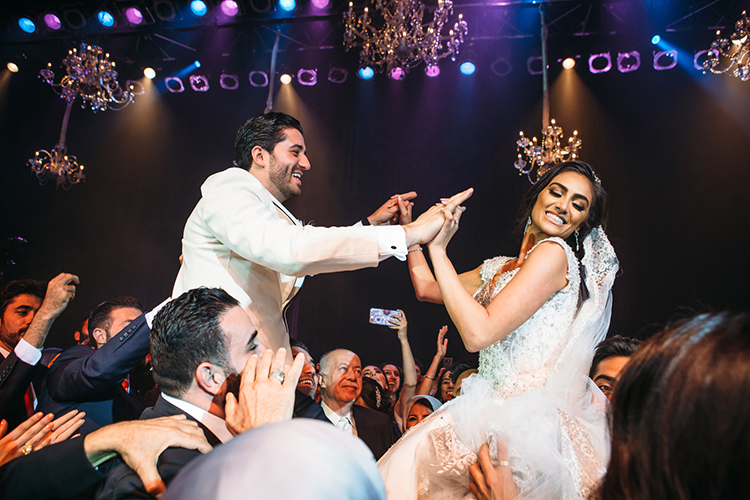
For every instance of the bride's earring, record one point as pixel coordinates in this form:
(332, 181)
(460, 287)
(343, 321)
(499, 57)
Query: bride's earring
(528, 223)
(576, 233)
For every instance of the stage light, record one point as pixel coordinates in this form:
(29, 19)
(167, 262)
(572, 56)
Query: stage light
(286, 79)
(337, 75)
(199, 83)
(606, 56)
(366, 73)
(397, 74)
(628, 61)
(308, 77)
(432, 71)
(229, 8)
(134, 15)
(52, 21)
(258, 78)
(27, 25)
(287, 5)
(320, 4)
(655, 39)
(530, 62)
(197, 63)
(669, 55)
(501, 66)
(105, 18)
(229, 82)
(12, 67)
(569, 63)
(149, 73)
(174, 85)
(467, 68)
(198, 7)
(164, 10)
(74, 18)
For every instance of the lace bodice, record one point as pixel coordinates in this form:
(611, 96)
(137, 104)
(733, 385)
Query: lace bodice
(521, 360)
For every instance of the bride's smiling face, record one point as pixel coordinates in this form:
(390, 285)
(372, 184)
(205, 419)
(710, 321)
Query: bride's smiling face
(563, 205)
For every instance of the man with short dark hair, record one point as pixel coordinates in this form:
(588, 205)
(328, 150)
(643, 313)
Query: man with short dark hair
(200, 343)
(27, 312)
(340, 386)
(90, 379)
(304, 400)
(241, 238)
(610, 357)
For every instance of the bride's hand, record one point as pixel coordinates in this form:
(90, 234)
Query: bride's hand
(450, 226)
(429, 223)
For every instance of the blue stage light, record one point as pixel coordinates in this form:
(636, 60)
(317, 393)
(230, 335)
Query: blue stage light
(105, 19)
(655, 39)
(27, 25)
(198, 7)
(197, 63)
(366, 73)
(467, 68)
(287, 5)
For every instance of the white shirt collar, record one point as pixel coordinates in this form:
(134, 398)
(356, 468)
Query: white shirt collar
(4, 351)
(214, 424)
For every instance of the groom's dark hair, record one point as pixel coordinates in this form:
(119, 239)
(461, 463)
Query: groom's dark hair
(265, 131)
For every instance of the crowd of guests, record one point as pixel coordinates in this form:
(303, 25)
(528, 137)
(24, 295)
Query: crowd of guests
(187, 386)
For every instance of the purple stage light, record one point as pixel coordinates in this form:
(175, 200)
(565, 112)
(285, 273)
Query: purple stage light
(665, 59)
(628, 61)
(604, 56)
(52, 21)
(320, 4)
(432, 71)
(134, 15)
(397, 74)
(229, 8)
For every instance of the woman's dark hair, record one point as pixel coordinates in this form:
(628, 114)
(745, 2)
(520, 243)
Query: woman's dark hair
(446, 374)
(598, 210)
(680, 419)
(375, 396)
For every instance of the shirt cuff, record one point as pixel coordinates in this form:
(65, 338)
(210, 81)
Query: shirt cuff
(391, 242)
(27, 353)
(153, 312)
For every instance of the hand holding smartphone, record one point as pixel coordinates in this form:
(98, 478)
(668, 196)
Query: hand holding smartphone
(382, 316)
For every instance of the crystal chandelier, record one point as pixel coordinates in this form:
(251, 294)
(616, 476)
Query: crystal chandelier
(91, 75)
(534, 158)
(736, 49)
(404, 40)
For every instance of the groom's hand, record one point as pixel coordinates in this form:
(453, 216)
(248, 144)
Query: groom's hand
(388, 213)
(424, 229)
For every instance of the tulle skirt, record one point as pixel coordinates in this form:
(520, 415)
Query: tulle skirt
(557, 443)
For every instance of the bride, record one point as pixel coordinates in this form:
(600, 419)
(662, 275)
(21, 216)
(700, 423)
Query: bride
(536, 319)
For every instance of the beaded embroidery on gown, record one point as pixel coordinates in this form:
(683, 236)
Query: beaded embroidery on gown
(532, 391)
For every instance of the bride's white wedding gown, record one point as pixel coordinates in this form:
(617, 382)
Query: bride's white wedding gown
(532, 392)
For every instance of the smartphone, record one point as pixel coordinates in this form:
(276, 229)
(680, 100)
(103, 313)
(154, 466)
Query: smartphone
(381, 316)
(447, 363)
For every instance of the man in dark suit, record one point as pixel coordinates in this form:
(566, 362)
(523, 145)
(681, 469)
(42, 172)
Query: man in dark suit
(200, 342)
(340, 386)
(304, 398)
(27, 312)
(90, 380)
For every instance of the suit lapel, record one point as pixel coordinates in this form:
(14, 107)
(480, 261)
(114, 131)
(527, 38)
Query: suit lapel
(164, 408)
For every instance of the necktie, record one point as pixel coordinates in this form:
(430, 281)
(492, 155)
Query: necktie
(344, 424)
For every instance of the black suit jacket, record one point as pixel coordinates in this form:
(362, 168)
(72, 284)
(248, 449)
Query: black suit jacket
(374, 428)
(306, 407)
(122, 482)
(15, 377)
(89, 380)
(57, 471)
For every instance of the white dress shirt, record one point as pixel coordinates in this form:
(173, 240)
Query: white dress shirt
(344, 422)
(215, 424)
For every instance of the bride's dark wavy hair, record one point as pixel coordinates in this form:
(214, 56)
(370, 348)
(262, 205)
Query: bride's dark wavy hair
(598, 211)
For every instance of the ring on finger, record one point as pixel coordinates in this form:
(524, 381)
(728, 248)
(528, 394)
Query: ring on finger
(503, 463)
(27, 449)
(278, 375)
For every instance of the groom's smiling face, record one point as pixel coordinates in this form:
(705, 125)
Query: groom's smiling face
(286, 165)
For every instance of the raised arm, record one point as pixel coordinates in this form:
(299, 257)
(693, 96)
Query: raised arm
(431, 376)
(543, 274)
(408, 388)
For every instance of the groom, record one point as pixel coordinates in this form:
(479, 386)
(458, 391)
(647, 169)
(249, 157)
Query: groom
(241, 238)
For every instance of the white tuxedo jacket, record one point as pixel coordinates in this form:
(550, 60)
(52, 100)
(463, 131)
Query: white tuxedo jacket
(240, 238)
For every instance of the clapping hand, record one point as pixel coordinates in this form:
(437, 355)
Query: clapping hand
(265, 396)
(37, 432)
(429, 224)
(394, 210)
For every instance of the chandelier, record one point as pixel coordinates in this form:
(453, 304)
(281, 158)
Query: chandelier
(91, 75)
(736, 49)
(405, 39)
(534, 158)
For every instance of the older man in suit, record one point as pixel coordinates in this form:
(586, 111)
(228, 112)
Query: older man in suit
(340, 386)
(200, 343)
(241, 238)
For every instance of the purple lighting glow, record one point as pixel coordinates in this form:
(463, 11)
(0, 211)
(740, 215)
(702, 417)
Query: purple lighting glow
(229, 8)
(432, 71)
(52, 21)
(397, 74)
(134, 15)
(320, 4)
